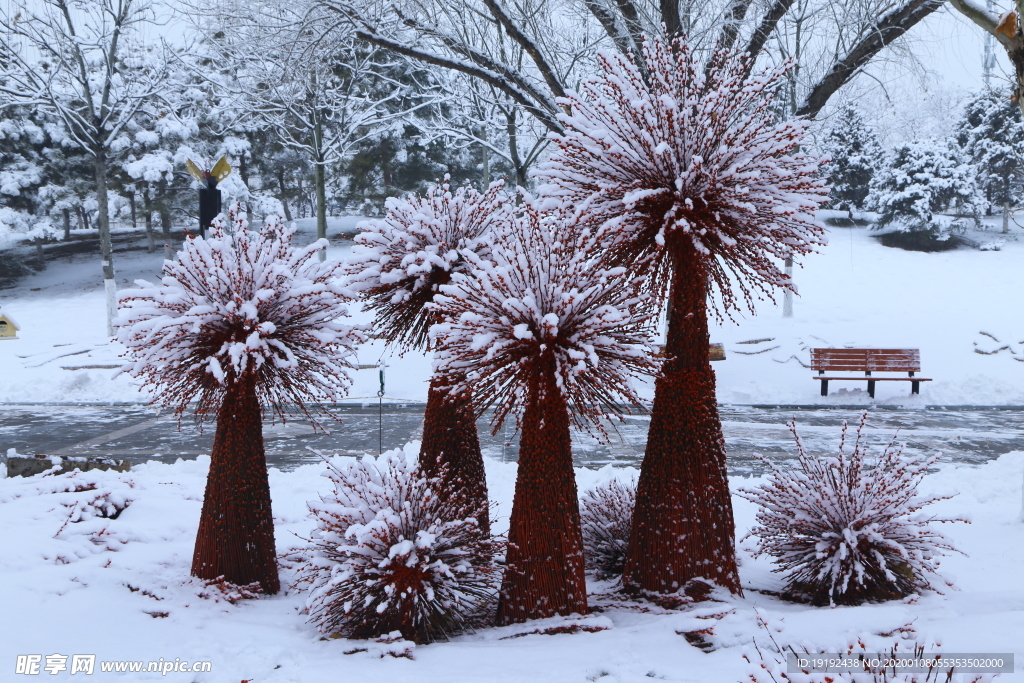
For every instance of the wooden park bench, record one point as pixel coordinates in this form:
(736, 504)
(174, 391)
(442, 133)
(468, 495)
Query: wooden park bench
(868, 361)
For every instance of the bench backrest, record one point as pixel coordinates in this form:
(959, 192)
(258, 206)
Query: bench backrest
(861, 360)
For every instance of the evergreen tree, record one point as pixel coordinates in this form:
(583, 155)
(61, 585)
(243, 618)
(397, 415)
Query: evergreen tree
(920, 179)
(856, 153)
(991, 133)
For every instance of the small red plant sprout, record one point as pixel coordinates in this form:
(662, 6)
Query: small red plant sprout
(705, 193)
(398, 263)
(391, 553)
(543, 328)
(606, 512)
(241, 322)
(846, 532)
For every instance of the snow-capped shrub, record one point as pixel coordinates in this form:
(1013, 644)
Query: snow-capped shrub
(606, 514)
(388, 555)
(241, 303)
(399, 261)
(846, 532)
(542, 298)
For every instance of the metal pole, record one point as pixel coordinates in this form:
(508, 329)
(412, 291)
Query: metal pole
(380, 414)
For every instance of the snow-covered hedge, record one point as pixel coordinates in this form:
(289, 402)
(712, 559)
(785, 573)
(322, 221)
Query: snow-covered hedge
(389, 555)
(845, 532)
(606, 514)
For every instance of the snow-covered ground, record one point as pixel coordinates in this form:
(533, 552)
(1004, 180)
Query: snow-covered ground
(119, 588)
(949, 305)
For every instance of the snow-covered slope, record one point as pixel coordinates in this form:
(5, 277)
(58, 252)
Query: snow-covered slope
(856, 292)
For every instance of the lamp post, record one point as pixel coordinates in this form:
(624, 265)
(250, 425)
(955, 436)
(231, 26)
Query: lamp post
(209, 196)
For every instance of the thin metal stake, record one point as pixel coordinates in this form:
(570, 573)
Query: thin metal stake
(380, 414)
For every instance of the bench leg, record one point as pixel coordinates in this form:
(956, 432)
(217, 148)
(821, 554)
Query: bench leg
(915, 387)
(824, 387)
(871, 388)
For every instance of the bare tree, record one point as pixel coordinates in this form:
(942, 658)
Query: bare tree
(321, 95)
(81, 61)
(1007, 31)
(534, 51)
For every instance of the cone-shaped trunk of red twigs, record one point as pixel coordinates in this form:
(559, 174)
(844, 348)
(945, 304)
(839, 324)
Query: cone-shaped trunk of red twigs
(236, 528)
(451, 450)
(683, 522)
(544, 573)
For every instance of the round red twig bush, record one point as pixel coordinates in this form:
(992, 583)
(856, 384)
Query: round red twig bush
(846, 530)
(392, 553)
(606, 512)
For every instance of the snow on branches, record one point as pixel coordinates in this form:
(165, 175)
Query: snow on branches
(606, 516)
(691, 153)
(542, 297)
(848, 533)
(240, 303)
(390, 554)
(399, 261)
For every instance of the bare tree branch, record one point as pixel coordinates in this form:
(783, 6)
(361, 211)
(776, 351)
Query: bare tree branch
(891, 27)
(529, 46)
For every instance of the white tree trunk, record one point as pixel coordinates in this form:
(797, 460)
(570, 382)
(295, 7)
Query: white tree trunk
(787, 295)
(111, 289)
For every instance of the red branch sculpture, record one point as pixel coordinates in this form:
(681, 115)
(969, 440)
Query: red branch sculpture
(706, 193)
(398, 263)
(543, 329)
(241, 320)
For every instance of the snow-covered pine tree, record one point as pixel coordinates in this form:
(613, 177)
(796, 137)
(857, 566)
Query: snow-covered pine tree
(543, 331)
(991, 133)
(398, 263)
(707, 193)
(918, 180)
(855, 155)
(242, 321)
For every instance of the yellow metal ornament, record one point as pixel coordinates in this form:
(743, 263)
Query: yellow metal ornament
(220, 170)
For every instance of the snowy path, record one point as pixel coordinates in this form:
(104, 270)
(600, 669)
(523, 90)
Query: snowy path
(138, 433)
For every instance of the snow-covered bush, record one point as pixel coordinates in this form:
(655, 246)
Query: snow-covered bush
(606, 514)
(390, 556)
(706, 192)
(543, 331)
(241, 303)
(542, 298)
(846, 532)
(920, 179)
(399, 261)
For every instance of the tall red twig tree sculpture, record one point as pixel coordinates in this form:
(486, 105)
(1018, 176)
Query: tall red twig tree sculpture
(708, 193)
(398, 264)
(241, 322)
(540, 328)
